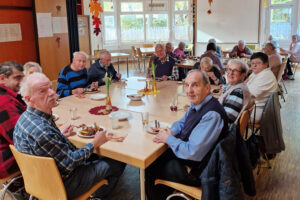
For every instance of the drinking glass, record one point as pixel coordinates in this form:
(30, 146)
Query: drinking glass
(114, 122)
(145, 118)
(73, 113)
(174, 104)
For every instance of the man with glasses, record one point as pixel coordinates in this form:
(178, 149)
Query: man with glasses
(236, 96)
(261, 82)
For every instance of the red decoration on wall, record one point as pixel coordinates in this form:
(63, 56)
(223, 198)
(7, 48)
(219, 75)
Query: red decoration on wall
(96, 9)
(209, 2)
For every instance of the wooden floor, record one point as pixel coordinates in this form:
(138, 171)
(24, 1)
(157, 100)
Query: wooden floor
(282, 182)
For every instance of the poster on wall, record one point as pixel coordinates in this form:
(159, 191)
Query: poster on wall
(44, 24)
(10, 32)
(59, 25)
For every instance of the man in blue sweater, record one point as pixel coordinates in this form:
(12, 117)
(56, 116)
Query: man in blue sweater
(100, 67)
(190, 139)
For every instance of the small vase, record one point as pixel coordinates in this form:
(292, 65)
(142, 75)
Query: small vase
(154, 85)
(108, 102)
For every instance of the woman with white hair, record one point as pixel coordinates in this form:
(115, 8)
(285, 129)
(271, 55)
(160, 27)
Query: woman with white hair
(31, 67)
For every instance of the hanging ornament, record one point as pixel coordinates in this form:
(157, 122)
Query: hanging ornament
(209, 2)
(265, 3)
(95, 10)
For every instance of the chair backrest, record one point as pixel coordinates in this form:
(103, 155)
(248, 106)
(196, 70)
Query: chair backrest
(251, 46)
(148, 45)
(133, 51)
(54, 85)
(41, 176)
(281, 70)
(139, 53)
(244, 119)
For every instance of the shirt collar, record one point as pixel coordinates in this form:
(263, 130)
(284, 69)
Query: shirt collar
(202, 103)
(38, 113)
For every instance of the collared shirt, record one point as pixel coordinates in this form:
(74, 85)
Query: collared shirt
(202, 138)
(11, 107)
(36, 134)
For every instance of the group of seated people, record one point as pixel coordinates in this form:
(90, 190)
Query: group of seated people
(31, 129)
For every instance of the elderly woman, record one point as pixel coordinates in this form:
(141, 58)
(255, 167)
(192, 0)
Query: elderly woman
(31, 67)
(218, 49)
(236, 96)
(212, 71)
(179, 52)
(241, 50)
(274, 58)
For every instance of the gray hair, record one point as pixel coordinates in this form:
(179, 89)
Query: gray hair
(31, 64)
(242, 42)
(181, 43)
(297, 36)
(103, 54)
(205, 79)
(206, 60)
(6, 68)
(271, 45)
(80, 53)
(212, 40)
(243, 66)
(26, 84)
(169, 43)
(159, 45)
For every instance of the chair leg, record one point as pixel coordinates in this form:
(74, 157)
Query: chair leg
(7, 185)
(178, 195)
(282, 81)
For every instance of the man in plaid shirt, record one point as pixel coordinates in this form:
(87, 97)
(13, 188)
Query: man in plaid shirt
(11, 107)
(36, 134)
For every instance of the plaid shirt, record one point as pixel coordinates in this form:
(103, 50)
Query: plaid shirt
(36, 134)
(175, 71)
(11, 107)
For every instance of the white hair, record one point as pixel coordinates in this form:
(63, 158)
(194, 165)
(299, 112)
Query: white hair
(243, 66)
(80, 53)
(212, 40)
(26, 84)
(103, 54)
(31, 64)
(242, 42)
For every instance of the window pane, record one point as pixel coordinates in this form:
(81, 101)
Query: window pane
(109, 29)
(132, 28)
(181, 5)
(280, 27)
(131, 7)
(181, 29)
(108, 6)
(157, 27)
(280, 1)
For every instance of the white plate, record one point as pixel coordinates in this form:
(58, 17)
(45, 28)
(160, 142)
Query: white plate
(55, 117)
(87, 136)
(135, 97)
(141, 79)
(98, 96)
(152, 124)
(121, 115)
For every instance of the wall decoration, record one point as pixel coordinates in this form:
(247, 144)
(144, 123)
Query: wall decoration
(95, 10)
(209, 2)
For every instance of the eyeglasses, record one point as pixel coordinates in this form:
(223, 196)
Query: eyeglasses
(234, 71)
(256, 63)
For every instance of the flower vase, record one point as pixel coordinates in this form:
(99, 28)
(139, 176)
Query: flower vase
(154, 85)
(108, 102)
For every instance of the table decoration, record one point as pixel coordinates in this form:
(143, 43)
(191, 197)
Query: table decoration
(147, 90)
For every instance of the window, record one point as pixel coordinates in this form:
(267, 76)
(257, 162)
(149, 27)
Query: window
(157, 27)
(181, 20)
(131, 7)
(132, 28)
(109, 23)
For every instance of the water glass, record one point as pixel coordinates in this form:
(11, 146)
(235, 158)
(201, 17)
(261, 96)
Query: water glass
(145, 118)
(114, 122)
(73, 113)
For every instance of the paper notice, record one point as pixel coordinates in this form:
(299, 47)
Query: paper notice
(59, 25)
(44, 24)
(10, 32)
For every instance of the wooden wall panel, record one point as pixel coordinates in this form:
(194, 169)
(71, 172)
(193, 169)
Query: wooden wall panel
(16, 3)
(53, 56)
(20, 51)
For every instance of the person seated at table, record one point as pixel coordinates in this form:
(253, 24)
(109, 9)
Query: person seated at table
(211, 53)
(241, 50)
(190, 139)
(218, 49)
(169, 50)
(212, 71)
(165, 65)
(274, 58)
(36, 134)
(179, 51)
(100, 67)
(274, 42)
(72, 79)
(236, 96)
(295, 55)
(261, 83)
(31, 67)
(11, 107)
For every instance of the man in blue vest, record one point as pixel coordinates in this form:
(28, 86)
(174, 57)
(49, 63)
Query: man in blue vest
(190, 139)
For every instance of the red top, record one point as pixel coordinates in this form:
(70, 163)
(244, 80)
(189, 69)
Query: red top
(11, 107)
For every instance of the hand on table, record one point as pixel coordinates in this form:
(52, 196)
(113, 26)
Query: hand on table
(164, 78)
(78, 91)
(99, 139)
(68, 131)
(94, 85)
(162, 136)
(118, 75)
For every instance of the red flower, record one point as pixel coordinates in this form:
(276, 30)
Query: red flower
(96, 22)
(97, 31)
(209, 12)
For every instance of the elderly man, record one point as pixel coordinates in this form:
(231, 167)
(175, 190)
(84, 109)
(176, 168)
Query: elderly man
(36, 134)
(165, 65)
(72, 79)
(218, 49)
(100, 67)
(211, 53)
(169, 50)
(241, 50)
(236, 96)
(11, 107)
(261, 83)
(190, 139)
(31, 67)
(274, 58)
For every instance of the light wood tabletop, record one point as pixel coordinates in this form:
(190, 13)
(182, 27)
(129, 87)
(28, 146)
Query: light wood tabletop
(187, 64)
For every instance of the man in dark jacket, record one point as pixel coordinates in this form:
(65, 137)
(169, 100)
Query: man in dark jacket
(189, 139)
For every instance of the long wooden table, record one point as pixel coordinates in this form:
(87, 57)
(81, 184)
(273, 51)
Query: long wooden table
(137, 149)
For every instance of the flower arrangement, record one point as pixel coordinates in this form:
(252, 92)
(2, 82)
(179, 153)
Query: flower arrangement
(108, 81)
(153, 74)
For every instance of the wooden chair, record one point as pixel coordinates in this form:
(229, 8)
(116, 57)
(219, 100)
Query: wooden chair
(6, 182)
(142, 57)
(135, 56)
(148, 45)
(244, 120)
(97, 52)
(280, 80)
(42, 178)
(54, 85)
(295, 65)
(186, 190)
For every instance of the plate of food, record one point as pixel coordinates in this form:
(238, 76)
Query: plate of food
(89, 131)
(154, 128)
(116, 137)
(91, 90)
(135, 97)
(55, 117)
(97, 97)
(121, 115)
